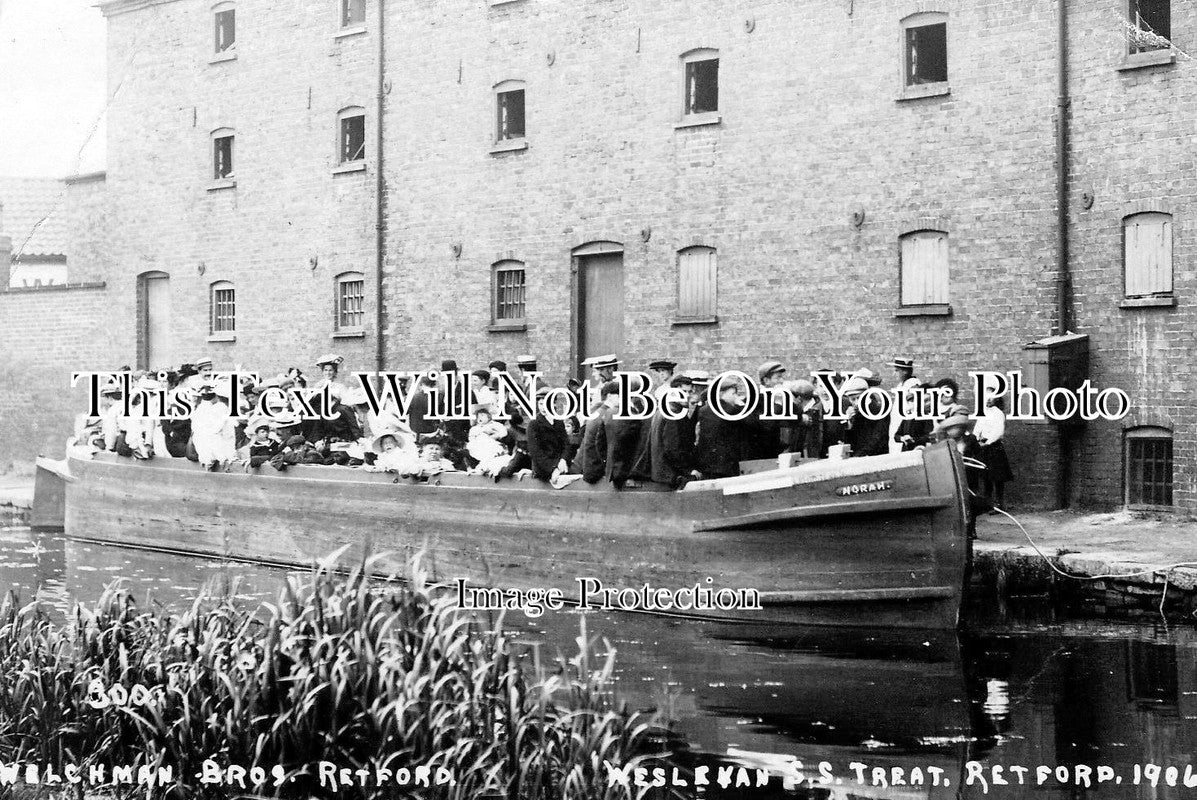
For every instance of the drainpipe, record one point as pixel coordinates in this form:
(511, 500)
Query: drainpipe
(379, 196)
(1063, 271)
(1063, 274)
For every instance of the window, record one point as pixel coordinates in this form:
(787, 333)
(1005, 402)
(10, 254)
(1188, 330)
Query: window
(350, 301)
(222, 155)
(509, 105)
(1151, 25)
(1149, 467)
(696, 284)
(1147, 254)
(351, 127)
(924, 274)
(925, 48)
(222, 303)
(701, 82)
(226, 29)
(508, 287)
(353, 13)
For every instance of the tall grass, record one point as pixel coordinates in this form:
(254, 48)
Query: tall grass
(340, 669)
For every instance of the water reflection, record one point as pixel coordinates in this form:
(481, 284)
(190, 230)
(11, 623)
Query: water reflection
(1006, 695)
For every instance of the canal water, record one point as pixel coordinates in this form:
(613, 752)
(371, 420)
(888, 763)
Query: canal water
(865, 707)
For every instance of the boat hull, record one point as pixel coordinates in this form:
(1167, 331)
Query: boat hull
(878, 541)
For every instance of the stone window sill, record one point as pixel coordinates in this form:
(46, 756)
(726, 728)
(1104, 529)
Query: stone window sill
(350, 334)
(1151, 58)
(222, 337)
(227, 55)
(353, 166)
(1149, 302)
(711, 320)
(345, 33)
(507, 327)
(494, 3)
(225, 183)
(509, 146)
(698, 120)
(929, 310)
(924, 90)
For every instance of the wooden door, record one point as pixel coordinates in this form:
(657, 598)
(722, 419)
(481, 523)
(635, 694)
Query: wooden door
(156, 349)
(602, 299)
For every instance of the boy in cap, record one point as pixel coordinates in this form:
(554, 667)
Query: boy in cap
(662, 373)
(547, 441)
(263, 445)
(762, 437)
(671, 448)
(717, 451)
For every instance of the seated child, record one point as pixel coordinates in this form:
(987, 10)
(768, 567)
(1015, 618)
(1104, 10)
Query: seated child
(396, 452)
(486, 444)
(264, 445)
(433, 461)
(213, 430)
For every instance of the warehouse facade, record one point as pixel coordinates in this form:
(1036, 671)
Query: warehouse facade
(831, 185)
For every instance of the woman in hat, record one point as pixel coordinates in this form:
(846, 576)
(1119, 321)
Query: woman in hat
(395, 451)
(213, 429)
(990, 431)
(957, 429)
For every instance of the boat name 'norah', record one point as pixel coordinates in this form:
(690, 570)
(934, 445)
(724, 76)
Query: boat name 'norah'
(593, 595)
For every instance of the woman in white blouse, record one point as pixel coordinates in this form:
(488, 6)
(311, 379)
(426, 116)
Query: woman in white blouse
(990, 430)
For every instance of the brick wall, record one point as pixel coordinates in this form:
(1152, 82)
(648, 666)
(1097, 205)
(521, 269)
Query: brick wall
(290, 225)
(812, 131)
(48, 334)
(1132, 149)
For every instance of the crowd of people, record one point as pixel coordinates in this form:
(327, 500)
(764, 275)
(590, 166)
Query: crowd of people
(685, 440)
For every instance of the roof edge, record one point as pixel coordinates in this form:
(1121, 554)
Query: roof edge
(86, 177)
(111, 8)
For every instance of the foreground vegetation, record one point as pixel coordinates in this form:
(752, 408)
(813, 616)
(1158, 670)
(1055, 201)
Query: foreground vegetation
(341, 670)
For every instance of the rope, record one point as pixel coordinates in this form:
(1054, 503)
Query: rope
(1166, 569)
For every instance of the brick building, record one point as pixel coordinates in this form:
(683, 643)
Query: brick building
(830, 184)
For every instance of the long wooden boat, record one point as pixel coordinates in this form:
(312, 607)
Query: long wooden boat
(875, 541)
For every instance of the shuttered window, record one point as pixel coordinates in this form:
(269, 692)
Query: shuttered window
(1147, 254)
(351, 297)
(924, 268)
(223, 308)
(508, 290)
(696, 284)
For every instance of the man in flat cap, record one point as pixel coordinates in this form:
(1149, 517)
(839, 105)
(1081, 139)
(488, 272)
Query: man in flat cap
(762, 437)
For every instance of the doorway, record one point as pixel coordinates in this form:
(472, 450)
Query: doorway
(154, 337)
(600, 300)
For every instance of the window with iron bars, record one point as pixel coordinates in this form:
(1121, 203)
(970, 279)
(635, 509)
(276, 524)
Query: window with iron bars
(222, 158)
(223, 303)
(1149, 467)
(351, 296)
(353, 137)
(509, 289)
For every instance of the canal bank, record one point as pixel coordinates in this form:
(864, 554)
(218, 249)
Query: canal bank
(1121, 565)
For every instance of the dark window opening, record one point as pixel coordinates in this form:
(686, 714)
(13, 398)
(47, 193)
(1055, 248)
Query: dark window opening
(509, 294)
(927, 54)
(1152, 22)
(511, 115)
(222, 155)
(224, 310)
(1149, 470)
(351, 296)
(226, 30)
(353, 138)
(1152, 677)
(702, 86)
(353, 12)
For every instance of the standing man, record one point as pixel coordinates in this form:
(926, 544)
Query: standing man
(762, 437)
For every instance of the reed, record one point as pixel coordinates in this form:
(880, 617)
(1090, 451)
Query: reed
(342, 668)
